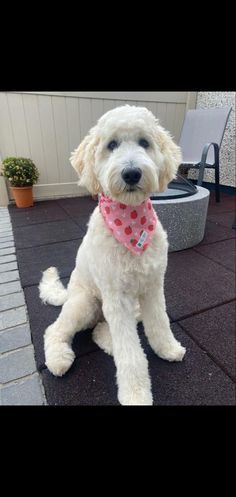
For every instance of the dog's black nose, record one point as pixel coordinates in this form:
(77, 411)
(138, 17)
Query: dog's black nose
(131, 175)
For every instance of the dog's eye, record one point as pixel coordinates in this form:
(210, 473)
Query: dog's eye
(113, 144)
(143, 143)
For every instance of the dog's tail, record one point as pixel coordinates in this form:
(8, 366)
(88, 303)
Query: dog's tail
(51, 290)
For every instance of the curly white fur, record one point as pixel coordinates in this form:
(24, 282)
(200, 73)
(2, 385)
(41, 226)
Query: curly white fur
(109, 281)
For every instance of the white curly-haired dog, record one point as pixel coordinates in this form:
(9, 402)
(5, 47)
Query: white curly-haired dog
(125, 157)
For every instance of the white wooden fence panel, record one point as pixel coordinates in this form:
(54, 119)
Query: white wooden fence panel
(6, 132)
(35, 134)
(48, 126)
(161, 113)
(85, 115)
(178, 120)
(62, 139)
(49, 138)
(17, 114)
(109, 104)
(120, 102)
(169, 118)
(97, 109)
(151, 106)
(74, 131)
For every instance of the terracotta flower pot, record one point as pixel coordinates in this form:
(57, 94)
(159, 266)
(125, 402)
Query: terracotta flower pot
(23, 196)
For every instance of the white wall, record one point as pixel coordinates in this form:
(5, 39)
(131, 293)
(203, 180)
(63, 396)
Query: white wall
(47, 126)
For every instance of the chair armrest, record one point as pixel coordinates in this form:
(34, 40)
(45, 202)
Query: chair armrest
(205, 152)
(204, 156)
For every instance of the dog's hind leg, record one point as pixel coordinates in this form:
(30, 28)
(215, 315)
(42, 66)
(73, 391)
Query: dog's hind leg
(79, 312)
(102, 337)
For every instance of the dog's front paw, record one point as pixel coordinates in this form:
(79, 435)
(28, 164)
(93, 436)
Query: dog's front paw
(136, 397)
(59, 358)
(172, 352)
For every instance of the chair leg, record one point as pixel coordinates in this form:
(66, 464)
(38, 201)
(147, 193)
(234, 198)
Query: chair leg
(217, 181)
(201, 174)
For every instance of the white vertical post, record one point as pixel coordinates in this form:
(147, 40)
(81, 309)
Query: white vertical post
(4, 200)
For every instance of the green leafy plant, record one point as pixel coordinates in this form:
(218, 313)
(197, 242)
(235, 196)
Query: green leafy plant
(20, 171)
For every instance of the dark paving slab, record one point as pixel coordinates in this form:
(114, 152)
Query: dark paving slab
(42, 234)
(224, 218)
(222, 195)
(214, 330)
(77, 206)
(221, 252)
(195, 381)
(82, 221)
(79, 209)
(32, 261)
(41, 212)
(41, 316)
(90, 381)
(194, 283)
(227, 203)
(215, 232)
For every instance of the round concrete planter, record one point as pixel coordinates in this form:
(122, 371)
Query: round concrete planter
(184, 219)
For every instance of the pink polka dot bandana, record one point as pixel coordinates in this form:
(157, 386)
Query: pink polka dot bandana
(133, 226)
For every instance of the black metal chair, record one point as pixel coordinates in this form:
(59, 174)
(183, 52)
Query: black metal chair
(201, 139)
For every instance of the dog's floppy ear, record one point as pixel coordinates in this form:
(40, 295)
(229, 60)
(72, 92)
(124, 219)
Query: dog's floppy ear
(171, 154)
(83, 161)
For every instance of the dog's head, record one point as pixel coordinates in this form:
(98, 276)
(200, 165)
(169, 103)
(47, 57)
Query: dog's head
(127, 155)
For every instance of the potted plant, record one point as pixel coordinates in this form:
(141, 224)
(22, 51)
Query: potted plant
(22, 174)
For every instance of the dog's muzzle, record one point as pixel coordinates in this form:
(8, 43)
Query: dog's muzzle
(131, 175)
